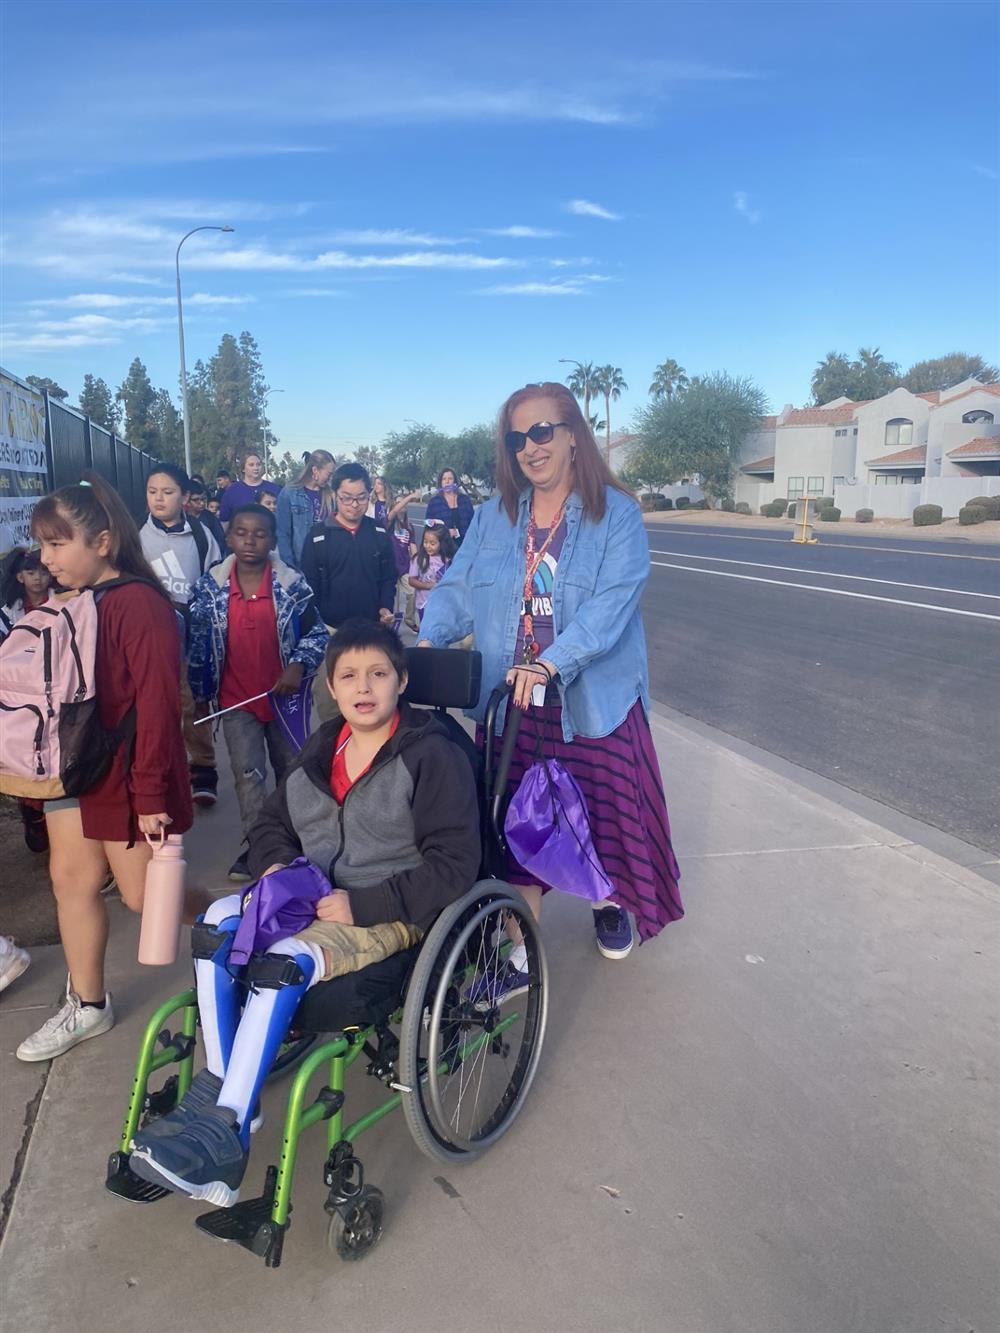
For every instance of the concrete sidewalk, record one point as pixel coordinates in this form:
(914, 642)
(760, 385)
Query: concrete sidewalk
(778, 1117)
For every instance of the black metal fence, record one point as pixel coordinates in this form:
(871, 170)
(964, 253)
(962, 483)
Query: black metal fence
(75, 444)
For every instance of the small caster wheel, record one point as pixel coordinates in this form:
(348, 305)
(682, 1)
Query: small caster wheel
(355, 1227)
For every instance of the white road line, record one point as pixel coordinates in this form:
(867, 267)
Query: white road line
(846, 546)
(827, 574)
(833, 592)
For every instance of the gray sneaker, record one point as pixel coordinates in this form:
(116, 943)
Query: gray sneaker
(13, 961)
(74, 1022)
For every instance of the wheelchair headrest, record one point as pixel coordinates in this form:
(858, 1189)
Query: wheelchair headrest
(443, 677)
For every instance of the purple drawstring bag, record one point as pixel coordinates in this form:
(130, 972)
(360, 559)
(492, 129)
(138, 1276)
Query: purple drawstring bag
(548, 832)
(278, 906)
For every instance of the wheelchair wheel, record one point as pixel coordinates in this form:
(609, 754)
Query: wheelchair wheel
(355, 1228)
(468, 1055)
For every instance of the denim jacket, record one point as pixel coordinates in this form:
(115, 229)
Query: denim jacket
(295, 520)
(599, 647)
(302, 635)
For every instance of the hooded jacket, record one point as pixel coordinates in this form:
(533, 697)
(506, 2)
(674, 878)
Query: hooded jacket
(302, 635)
(405, 842)
(180, 555)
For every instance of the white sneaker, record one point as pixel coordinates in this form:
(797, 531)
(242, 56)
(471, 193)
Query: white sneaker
(13, 961)
(74, 1022)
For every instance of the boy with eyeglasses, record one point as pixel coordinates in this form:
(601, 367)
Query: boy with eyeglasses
(348, 561)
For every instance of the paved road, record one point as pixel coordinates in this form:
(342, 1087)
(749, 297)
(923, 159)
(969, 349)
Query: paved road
(871, 661)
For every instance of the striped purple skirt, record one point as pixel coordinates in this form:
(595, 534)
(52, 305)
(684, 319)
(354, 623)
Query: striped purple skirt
(620, 779)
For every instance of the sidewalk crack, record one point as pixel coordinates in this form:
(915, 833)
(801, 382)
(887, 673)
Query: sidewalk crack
(30, 1116)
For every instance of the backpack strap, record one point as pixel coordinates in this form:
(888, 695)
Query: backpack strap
(200, 541)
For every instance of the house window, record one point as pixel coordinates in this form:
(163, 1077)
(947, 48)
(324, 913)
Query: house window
(839, 481)
(855, 430)
(973, 418)
(899, 432)
(796, 488)
(886, 479)
(815, 486)
(840, 433)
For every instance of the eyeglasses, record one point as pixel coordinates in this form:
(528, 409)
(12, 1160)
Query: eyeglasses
(345, 499)
(540, 433)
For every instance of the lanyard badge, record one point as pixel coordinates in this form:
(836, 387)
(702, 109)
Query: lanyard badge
(531, 563)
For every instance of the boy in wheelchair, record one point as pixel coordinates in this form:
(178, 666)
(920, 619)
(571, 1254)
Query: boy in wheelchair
(381, 800)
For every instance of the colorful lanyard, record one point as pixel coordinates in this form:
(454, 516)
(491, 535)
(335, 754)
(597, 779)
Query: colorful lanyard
(531, 563)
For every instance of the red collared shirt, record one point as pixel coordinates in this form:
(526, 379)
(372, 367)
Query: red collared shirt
(340, 780)
(253, 659)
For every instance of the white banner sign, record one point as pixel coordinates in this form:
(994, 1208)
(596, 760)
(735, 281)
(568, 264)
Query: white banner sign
(23, 462)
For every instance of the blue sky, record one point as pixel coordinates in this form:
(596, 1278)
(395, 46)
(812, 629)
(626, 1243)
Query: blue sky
(434, 203)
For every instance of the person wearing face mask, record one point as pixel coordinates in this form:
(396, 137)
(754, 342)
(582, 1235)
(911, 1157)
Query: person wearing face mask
(450, 506)
(244, 492)
(549, 580)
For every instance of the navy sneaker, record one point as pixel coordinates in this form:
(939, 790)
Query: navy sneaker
(614, 931)
(202, 1094)
(205, 1159)
(204, 785)
(496, 985)
(239, 871)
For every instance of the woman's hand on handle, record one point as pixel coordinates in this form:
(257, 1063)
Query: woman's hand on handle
(523, 680)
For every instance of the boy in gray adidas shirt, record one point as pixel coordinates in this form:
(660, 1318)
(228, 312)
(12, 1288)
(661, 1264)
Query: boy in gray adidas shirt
(180, 550)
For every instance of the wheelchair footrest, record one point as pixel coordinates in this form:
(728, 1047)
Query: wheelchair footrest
(123, 1181)
(248, 1224)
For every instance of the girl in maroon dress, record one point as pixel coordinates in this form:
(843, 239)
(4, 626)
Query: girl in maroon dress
(88, 540)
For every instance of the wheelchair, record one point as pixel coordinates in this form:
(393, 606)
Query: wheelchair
(460, 1071)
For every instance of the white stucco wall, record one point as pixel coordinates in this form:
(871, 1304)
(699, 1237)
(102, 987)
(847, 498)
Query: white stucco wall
(872, 420)
(951, 493)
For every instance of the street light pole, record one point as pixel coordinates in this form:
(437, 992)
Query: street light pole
(180, 333)
(263, 423)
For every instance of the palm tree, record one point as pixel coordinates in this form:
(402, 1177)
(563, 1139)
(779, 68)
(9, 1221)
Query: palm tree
(610, 381)
(668, 377)
(581, 384)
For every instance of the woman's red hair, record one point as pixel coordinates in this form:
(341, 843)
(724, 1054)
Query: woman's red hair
(592, 476)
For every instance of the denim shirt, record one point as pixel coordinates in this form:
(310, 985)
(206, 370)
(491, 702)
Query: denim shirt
(295, 520)
(599, 647)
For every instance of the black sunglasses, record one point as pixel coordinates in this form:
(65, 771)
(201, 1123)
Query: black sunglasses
(540, 433)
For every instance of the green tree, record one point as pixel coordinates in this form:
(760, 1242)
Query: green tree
(138, 397)
(403, 454)
(582, 384)
(943, 371)
(370, 458)
(701, 431)
(611, 383)
(235, 397)
(648, 467)
(170, 426)
(42, 383)
(668, 379)
(98, 402)
(868, 376)
(475, 456)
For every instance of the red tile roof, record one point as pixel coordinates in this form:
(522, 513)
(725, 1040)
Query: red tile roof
(761, 465)
(986, 446)
(934, 396)
(901, 457)
(821, 416)
(993, 388)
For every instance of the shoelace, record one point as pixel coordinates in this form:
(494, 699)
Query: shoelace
(61, 1019)
(610, 918)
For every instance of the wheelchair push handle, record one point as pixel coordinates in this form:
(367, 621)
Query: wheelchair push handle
(495, 783)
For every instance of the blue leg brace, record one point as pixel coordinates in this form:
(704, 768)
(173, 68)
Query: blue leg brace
(219, 993)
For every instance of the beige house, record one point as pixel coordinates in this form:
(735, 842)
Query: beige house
(899, 439)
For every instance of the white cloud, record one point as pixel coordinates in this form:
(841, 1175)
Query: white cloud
(312, 291)
(78, 331)
(522, 233)
(110, 301)
(990, 173)
(258, 258)
(392, 236)
(741, 202)
(585, 209)
(575, 286)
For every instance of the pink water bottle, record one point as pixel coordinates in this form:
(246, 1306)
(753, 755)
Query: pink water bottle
(159, 938)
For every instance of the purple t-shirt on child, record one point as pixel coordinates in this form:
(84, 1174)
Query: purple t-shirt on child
(542, 588)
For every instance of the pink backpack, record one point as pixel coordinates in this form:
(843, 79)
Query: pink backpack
(52, 743)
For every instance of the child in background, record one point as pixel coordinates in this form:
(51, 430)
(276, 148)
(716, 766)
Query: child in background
(89, 540)
(214, 504)
(197, 506)
(404, 548)
(254, 630)
(268, 499)
(26, 585)
(437, 550)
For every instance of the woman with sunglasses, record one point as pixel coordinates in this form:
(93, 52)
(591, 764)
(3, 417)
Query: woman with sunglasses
(449, 506)
(549, 580)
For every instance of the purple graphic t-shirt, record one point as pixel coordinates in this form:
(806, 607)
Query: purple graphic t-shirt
(541, 593)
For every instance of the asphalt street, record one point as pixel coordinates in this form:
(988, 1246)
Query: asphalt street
(873, 662)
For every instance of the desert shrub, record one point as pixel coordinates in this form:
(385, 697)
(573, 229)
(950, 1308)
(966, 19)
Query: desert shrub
(864, 515)
(742, 507)
(829, 514)
(667, 502)
(970, 514)
(991, 503)
(780, 505)
(728, 506)
(822, 502)
(683, 502)
(925, 516)
(790, 511)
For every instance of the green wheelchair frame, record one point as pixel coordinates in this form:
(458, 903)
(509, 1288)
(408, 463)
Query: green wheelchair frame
(440, 1033)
